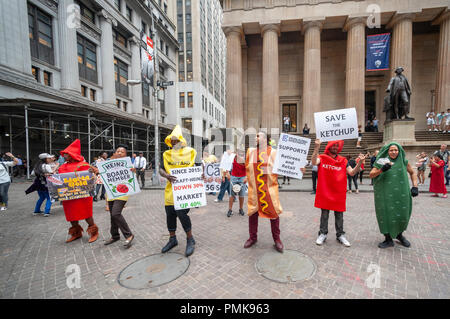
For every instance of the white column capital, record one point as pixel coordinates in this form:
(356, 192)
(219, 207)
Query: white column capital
(237, 31)
(398, 17)
(353, 21)
(108, 17)
(444, 16)
(271, 27)
(312, 23)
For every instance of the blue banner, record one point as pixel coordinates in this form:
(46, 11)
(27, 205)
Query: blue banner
(378, 52)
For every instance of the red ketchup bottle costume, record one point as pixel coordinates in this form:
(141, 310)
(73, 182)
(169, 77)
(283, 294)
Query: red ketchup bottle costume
(78, 209)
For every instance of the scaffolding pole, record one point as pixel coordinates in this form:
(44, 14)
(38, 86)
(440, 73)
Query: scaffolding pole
(50, 134)
(10, 136)
(132, 138)
(27, 141)
(113, 135)
(89, 138)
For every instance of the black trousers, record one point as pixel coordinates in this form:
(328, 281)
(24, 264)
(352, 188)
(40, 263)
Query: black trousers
(354, 179)
(361, 176)
(117, 219)
(314, 180)
(97, 190)
(338, 222)
(141, 174)
(182, 215)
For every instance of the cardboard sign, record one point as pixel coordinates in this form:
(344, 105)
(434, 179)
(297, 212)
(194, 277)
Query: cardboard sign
(227, 161)
(292, 152)
(213, 178)
(118, 178)
(336, 125)
(69, 186)
(188, 189)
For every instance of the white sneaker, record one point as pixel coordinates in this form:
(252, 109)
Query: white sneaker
(3, 208)
(435, 129)
(321, 239)
(344, 241)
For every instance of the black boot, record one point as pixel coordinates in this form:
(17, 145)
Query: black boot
(241, 212)
(190, 246)
(170, 244)
(230, 212)
(403, 240)
(388, 242)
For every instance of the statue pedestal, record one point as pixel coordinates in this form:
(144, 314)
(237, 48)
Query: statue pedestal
(399, 131)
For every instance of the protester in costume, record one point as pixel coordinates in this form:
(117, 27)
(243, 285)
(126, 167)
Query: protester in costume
(437, 184)
(116, 206)
(178, 156)
(393, 202)
(263, 200)
(77, 209)
(332, 187)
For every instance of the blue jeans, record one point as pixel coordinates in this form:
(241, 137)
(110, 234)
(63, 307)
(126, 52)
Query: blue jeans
(224, 186)
(43, 195)
(4, 187)
(446, 174)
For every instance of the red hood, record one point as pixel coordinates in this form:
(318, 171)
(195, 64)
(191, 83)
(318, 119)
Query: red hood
(74, 150)
(331, 143)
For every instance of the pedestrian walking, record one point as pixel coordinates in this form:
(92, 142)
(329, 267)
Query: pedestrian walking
(393, 198)
(437, 185)
(238, 180)
(140, 163)
(42, 170)
(5, 179)
(352, 164)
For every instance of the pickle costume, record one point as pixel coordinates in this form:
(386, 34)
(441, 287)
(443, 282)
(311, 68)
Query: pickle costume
(393, 200)
(177, 157)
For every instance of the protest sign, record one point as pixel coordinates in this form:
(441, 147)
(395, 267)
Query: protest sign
(213, 178)
(227, 161)
(336, 125)
(188, 189)
(69, 186)
(118, 178)
(292, 152)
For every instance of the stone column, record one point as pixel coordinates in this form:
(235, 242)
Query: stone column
(107, 52)
(235, 114)
(68, 48)
(355, 67)
(136, 90)
(443, 67)
(311, 73)
(401, 44)
(270, 112)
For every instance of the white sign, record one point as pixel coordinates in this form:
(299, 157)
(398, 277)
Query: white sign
(118, 178)
(213, 178)
(227, 161)
(188, 189)
(336, 125)
(292, 152)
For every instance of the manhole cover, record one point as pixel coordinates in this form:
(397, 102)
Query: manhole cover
(290, 266)
(153, 271)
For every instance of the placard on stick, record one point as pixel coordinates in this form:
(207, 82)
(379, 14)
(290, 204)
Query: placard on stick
(292, 153)
(336, 125)
(188, 189)
(118, 178)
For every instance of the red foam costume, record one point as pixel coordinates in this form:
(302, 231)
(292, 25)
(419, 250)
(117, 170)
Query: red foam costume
(437, 182)
(331, 191)
(76, 209)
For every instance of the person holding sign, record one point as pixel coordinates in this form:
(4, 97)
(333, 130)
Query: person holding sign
(178, 156)
(393, 198)
(77, 209)
(263, 200)
(332, 187)
(238, 181)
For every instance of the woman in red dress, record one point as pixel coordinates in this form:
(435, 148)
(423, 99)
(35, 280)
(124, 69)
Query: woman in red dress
(437, 184)
(77, 209)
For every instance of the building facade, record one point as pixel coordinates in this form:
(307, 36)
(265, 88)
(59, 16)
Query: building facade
(201, 66)
(297, 57)
(65, 67)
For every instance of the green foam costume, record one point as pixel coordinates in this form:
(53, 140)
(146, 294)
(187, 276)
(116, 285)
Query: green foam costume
(393, 201)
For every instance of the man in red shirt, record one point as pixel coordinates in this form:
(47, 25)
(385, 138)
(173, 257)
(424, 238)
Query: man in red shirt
(332, 187)
(238, 177)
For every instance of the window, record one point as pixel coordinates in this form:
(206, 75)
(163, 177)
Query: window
(182, 101)
(86, 12)
(187, 124)
(167, 50)
(161, 44)
(165, 8)
(144, 27)
(189, 76)
(203, 103)
(93, 95)
(41, 34)
(87, 59)
(117, 4)
(129, 14)
(162, 71)
(181, 76)
(35, 72)
(145, 93)
(118, 103)
(121, 77)
(190, 99)
(119, 37)
(47, 78)
(125, 106)
(83, 91)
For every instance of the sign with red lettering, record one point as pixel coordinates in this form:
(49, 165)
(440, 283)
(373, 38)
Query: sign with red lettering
(189, 188)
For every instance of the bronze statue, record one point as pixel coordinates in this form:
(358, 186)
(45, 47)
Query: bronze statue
(399, 97)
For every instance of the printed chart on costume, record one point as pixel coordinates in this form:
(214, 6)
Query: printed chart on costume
(118, 178)
(189, 188)
(292, 155)
(336, 125)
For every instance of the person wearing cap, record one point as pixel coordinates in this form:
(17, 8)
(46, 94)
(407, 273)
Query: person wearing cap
(178, 156)
(78, 209)
(5, 179)
(331, 191)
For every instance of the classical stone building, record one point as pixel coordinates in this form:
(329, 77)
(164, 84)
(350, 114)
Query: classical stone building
(298, 57)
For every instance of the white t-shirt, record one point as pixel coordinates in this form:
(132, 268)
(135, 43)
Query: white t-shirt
(47, 168)
(140, 162)
(4, 174)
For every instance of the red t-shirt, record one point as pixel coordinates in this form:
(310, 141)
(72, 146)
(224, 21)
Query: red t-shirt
(362, 164)
(238, 170)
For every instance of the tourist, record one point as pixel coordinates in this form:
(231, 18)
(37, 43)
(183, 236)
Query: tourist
(393, 198)
(440, 120)
(263, 200)
(5, 179)
(42, 170)
(447, 122)
(306, 129)
(430, 121)
(421, 164)
(437, 185)
(140, 163)
(361, 171)
(116, 206)
(179, 155)
(445, 154)
(238, 180)
(375, 124)
(77, 209)
(287, 123)
(352, 164)
(133, 158)
(288, 179)
(331, 187)
(358, 143)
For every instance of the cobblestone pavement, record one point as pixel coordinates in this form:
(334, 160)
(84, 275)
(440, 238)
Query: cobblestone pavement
(34, 255)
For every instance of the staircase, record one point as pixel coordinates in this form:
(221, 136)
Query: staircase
(425, 136)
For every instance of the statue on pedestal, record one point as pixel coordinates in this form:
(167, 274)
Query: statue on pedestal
(396, 103)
